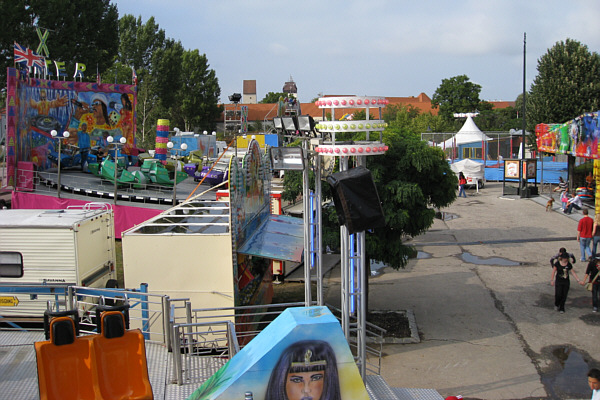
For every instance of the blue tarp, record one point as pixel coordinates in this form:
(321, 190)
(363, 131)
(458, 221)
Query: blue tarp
(552, 171)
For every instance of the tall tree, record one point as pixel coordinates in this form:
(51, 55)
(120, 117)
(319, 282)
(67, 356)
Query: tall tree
(138, 42)
(456, 95)
(84, 31)
(566, 86)
(412, 180)
(199, 93)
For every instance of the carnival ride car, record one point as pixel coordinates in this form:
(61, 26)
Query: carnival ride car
(585, 193)
(70, 156)
(218, 174)
(168, 174)
(152, 171)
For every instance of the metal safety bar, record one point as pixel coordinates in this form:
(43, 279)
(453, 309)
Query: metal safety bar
(374, 339)
(200, 349)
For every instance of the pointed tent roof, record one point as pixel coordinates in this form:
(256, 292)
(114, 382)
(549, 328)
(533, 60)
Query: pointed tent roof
(469, 133)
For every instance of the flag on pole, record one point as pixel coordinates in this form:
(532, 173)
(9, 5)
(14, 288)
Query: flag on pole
(98, 80)
(26, 56)
(133, 76)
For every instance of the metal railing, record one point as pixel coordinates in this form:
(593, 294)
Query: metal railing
(201, 349)
(151, 313)
(200, 340)
(73, 182)
(374, 342)
(213, 335)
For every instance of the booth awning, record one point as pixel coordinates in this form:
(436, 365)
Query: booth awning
(279, 237)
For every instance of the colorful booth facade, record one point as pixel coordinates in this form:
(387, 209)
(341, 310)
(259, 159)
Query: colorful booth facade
(90, 112)
(578, 137)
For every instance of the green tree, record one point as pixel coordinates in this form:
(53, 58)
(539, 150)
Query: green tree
(412, 180)
(503, 119)
(199, 92)
(84, 31)
(138, 42)
(456, 95)
(272, 97)
(173, 82)
(566, 85)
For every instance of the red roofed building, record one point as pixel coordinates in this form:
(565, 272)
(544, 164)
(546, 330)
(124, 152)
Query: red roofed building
(265, 113)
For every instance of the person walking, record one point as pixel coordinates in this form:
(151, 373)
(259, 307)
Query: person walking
(584, 235)
(595, 234)
(560, 281)
(462, 181)
(591, 276)
(560, 251)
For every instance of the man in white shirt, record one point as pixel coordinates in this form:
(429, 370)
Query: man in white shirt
(574, 202)
(594, 382)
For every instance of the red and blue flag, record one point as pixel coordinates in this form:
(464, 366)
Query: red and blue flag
(24, 55)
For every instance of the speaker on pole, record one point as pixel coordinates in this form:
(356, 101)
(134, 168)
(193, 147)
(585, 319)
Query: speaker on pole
(356, 199)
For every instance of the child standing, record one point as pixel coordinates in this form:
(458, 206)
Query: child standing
(564, 198)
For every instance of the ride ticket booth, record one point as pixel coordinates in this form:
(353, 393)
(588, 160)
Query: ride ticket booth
(510, 183)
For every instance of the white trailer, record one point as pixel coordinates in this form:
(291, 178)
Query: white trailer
(68, 247)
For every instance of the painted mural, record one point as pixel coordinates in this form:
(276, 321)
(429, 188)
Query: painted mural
(302, 354)
(578, 137)
(90, 112)
(249, 199)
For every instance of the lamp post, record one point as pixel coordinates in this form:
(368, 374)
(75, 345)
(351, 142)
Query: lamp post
(55, 136)
(177, 151)
(121, 142)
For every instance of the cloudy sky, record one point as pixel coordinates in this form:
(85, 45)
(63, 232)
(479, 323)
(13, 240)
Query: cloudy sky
(372, 47)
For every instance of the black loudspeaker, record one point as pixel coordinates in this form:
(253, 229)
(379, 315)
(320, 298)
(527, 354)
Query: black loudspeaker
(356, 200)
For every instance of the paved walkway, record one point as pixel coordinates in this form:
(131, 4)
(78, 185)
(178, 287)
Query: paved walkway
(481, 295)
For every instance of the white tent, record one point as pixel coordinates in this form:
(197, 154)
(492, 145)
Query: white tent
(469, 133)
(473, 171)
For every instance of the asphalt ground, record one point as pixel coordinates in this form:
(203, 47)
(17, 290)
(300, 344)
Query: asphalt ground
(484, 307)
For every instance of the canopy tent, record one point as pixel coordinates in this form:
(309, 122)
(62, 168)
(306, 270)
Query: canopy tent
(469, 168)
(469, 133)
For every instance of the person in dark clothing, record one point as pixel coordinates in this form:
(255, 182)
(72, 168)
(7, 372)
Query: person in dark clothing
(562, 250)
(462, 181)
(593, 269)
(560, 280)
